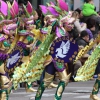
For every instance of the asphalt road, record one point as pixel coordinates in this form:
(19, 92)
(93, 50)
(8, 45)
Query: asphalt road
(74, 91)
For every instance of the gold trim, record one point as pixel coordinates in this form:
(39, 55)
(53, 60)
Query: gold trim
(48, 78)
(12, 69)
(3, 96)
(47, 61)
(94, 97)
(63, 76)
(25, 59)
(2, 69)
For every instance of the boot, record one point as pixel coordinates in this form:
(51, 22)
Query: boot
(95, 90)
(4, 95)
(94, 97)
(52, 85)
(29, 88)
(60, 90)
(62, 84)
(45, 83)
(5, 85)
(9, 89)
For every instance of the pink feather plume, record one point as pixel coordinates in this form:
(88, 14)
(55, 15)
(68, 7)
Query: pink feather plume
(63, 5)
(29, 8)
(14, 9)
(4, 8)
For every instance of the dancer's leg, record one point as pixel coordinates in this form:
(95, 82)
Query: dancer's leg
(29, 88)
(49, 76)
(5, 85)
(52, 85)
(95, 90)
(64, 79)
(4, 95)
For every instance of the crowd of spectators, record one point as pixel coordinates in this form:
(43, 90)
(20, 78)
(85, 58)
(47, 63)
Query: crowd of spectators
(86, 27)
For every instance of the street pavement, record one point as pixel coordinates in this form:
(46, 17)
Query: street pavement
(74, 91)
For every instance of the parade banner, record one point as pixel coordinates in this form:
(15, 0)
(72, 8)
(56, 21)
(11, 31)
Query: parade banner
(63, 49)
(13, 60)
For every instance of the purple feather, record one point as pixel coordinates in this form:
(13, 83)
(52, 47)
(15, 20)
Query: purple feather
(43, 9)
(3, 56)
(4, 8)
(63, 5)
(57, 32)
(21, 44)
(2, 38)
(53, 11)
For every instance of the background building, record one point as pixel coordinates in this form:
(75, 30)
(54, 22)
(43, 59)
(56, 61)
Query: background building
(73, 4)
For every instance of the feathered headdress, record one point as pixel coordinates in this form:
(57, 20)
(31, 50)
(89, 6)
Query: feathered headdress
(28, 9)
(8, 15)
(54, 9)
(14, 9)
(59, 11)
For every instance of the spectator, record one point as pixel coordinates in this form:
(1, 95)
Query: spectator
(80, 14)
(88, 10)
(83, 40)
(91, 25)
(79, 26)
(90, 34)
(73, 34)
(98, 13)
(80, 63)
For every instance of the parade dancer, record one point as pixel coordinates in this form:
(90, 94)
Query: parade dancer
(26, 38)
(7, 29)
(54, 66)
(5, 82)
(53, 28)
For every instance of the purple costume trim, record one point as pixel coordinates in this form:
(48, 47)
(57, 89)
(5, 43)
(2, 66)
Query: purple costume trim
(21, 44)
(52, 68)
(57, 68)
(6, 74)
(3, 56)
(43, 31)
(2, 38)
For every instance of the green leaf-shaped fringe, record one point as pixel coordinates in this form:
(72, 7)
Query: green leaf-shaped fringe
(40, 53)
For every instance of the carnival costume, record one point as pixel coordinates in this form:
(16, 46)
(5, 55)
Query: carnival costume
(55, 65)
(8, 30)
(30, 40)
(12, 47)
(52, 66)
(28, 24)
